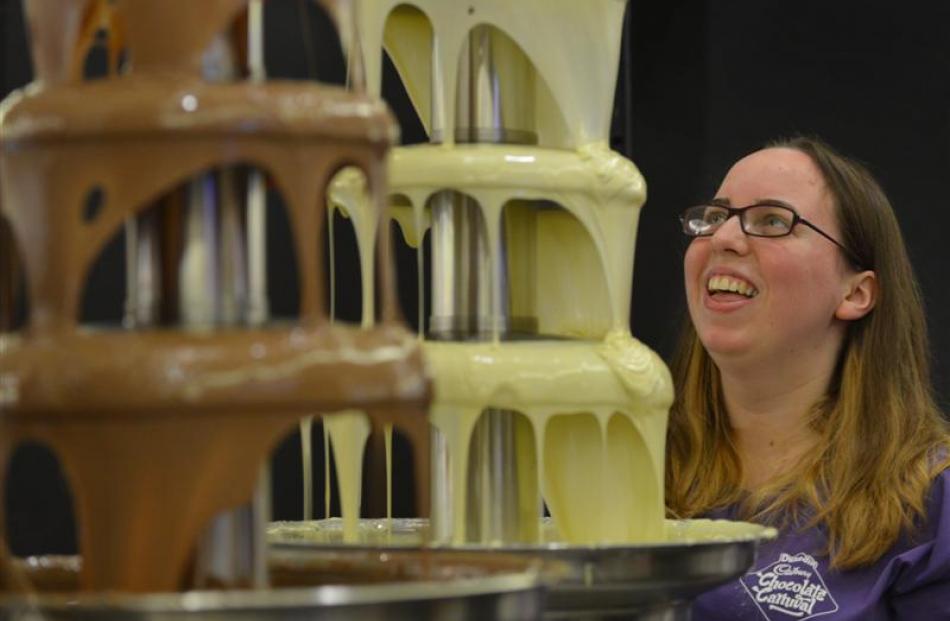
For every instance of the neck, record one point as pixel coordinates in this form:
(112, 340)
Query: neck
(769, 406)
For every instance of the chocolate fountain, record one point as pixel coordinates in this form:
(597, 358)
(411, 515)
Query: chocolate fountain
(163, 426)
(540, 391)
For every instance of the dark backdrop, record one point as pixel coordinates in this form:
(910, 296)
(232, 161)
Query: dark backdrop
(701, 84)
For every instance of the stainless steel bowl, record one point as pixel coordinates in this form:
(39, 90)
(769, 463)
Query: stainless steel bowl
(652, 581)
(356, 585)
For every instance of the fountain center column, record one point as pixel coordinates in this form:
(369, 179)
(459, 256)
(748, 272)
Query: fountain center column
(492, 106)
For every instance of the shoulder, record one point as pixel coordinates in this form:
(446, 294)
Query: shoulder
(935, 529)
(921, 564)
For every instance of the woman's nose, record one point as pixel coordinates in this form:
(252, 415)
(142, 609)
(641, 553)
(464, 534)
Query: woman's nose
(730, 237)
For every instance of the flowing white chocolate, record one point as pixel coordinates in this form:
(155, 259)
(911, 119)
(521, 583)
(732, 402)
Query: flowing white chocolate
(596, 407)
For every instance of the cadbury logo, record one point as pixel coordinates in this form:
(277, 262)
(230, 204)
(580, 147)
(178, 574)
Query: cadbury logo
(790, 588)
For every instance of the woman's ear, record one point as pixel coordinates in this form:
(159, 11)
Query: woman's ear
(860, 297)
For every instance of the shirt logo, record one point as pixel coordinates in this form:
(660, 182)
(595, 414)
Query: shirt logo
(790, 588)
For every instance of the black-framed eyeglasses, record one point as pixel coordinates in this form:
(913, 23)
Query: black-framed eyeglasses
(765, 219)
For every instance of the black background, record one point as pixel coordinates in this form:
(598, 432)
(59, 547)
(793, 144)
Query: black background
(701, 84)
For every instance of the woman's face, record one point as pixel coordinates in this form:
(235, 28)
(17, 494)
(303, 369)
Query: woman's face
(793, 285)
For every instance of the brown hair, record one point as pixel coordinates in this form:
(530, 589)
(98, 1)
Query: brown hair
(881, 437)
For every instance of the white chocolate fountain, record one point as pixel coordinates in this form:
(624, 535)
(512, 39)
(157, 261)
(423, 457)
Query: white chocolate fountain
(564, 214)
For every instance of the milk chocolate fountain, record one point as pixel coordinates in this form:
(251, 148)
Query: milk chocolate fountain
(162, 428)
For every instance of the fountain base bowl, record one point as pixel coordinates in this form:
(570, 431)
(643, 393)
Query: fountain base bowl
(319, 585)
(655, 580)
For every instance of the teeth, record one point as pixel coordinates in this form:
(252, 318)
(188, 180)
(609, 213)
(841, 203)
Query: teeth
(732, 285)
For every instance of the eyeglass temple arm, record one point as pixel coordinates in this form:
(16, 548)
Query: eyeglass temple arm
(847, 251)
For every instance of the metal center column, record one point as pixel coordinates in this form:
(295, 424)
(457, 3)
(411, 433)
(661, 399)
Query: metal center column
(494, 105)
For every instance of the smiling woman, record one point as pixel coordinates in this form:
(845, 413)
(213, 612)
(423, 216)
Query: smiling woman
(804, 397)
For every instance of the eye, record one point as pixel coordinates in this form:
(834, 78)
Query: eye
(715, 215)
(770, 220)
(703, 219)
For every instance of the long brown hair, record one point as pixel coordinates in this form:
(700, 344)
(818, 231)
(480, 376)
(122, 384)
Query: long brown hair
(881, 436)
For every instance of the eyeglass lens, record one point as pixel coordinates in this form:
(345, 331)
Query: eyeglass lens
(762, 220)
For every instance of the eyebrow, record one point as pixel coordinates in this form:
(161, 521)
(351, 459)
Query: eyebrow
(725, 202)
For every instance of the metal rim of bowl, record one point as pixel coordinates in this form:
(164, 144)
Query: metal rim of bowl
(757, 534)
(295, 597)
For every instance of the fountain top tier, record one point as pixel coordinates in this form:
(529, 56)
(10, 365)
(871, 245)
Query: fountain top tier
(574, 95)
(169, 36)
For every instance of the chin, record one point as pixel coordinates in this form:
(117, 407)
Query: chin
(726, 344)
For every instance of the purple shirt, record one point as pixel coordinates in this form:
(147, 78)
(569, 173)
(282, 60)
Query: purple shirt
(791, 578)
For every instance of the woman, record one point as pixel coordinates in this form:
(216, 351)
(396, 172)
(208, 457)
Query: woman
(803, 395)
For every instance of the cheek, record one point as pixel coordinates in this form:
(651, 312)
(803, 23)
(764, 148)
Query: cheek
(805, 286)
(693, 262)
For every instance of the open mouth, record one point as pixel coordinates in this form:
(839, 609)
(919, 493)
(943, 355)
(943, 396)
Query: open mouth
(723, 285)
